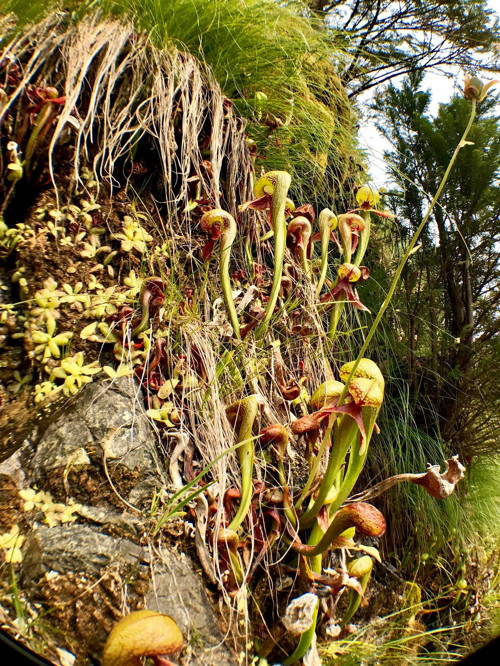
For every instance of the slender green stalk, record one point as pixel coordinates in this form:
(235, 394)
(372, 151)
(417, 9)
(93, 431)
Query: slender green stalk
(304, 261)
(226, 243)
(287, 505)
(345, 434)
(364, 237)
(277, 188)
(307, 638)
(316, 463)
(335, 314)
(409, 250)
(246, 412)
(316, 561)
(326, 222)
(236, 567)
(357, 460)
(210, 220)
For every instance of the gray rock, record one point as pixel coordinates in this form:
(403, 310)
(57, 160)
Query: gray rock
(75, 548)
(103, 420)
(129, 524)
(143, 491)
(177, 590)
(105, 424)
(13, 468)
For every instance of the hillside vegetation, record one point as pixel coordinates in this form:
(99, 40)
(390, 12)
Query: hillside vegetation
(184, 208)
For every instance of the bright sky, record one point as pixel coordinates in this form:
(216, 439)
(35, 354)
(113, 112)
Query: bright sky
(373, 142)
(442, 89)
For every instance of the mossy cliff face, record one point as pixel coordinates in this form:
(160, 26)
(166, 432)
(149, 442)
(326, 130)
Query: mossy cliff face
(276, 65)
(113, 150)
(80, 555)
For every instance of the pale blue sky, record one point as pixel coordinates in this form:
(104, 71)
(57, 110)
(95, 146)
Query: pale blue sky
(373, 142)
(442, 88)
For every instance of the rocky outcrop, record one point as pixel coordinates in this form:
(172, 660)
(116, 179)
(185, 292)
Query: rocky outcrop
(100, 456)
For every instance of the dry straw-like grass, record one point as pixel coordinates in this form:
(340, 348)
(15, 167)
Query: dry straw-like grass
(120, 90)
(121, 93)
(124, 97)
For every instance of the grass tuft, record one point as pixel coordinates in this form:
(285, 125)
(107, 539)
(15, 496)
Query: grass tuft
(275, 65)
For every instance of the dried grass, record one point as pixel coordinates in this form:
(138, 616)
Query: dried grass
(125, 93)
(136, 91)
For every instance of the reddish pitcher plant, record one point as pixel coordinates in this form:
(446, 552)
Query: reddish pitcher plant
(344, 290)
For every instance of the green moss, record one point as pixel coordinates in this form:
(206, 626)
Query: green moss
(276, 66)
